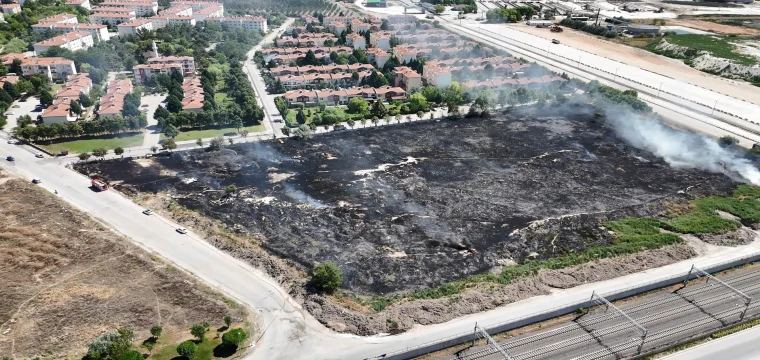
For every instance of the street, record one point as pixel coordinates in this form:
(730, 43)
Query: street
(740, 346)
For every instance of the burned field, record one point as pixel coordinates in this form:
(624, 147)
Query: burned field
(416, 205)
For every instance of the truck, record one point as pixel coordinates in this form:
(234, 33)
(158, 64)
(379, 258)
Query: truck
(99, 185)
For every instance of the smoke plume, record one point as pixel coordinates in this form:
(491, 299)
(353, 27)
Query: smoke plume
(684, 149)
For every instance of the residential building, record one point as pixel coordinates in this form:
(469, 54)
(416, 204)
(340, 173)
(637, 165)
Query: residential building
(7, 59)
(60, 110)
(193, 94)
(141, 8)
(436, 75)
(85, 4)
(406, 78)
(213, 11)
(247, 22)
(8, 79)
(380, 40)
(356, 41)
(59, 19)
(58, 113)
(10, 9)
(161, 21)
(308, 19)
(75, 40)
(358, 26)
(187, 62)
(112, 19)
(341, 19)
(179, 10)
(56, 68)
(146, 71)
(405, 54)
(337, 28)
(196, 5)
(112, 103)
(134, 26)
(113, 10)
(98, 32)
(342, 96)
(401, 19)
(378, 57)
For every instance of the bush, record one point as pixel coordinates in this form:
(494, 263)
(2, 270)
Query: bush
(131, 355)
(728, 140)
(234, 337)
(187, 349)
(327, 277)
(198, 331)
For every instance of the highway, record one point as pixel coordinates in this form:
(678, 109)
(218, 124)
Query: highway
(666, 317)
(739, 346)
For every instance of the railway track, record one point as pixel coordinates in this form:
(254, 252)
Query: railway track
(668, 317)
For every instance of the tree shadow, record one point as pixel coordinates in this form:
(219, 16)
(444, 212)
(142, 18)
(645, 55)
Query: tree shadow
(224, 351)
(223, 328)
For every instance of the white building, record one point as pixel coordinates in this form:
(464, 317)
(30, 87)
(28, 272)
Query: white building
(146, 71)
(132, 27)
(141, 8)
(75, 40)
(247, 22)
(81, 3)
(381, 40)
(98, 32)
(214, 11)
(112, 19)
(356, 41)
(187, 62)
(59, 19)
(58, 113)
(56, 68)
(160, 21)
(178, 11)
(10, 9)
(113, 10)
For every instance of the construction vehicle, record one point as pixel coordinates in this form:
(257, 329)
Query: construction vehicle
(99, 185)
(556, 28)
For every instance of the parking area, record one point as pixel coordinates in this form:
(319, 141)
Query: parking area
(22, 107)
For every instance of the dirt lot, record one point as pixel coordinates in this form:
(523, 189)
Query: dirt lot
(712, 26)
(64, 280)
(649, 61)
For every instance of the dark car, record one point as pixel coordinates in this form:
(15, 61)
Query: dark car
(10, 158)
(555, 41)
(339, 127)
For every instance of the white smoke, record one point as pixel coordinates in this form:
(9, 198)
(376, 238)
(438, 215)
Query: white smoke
(684, 149)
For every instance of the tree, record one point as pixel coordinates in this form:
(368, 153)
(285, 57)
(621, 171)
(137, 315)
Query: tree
(453, 108)
(118, 151)
(357, 106)
(198, 330)
(244, 133)
(131, 355)
(156, 330)
(728, 140)
(76, 108)
(161, 113)
(301, 117)
(100, 152)
(379, 109)
(229, 190)
(11, 89)
(3, 122)
(327, 277)
(199, 142)
(187, 349)
(171, 131)
(169, 144)
(15, 65)
(439, 9)
(418, 102)
(234, 337)
(149, 345)
(173, 104)
(227, 320)
(46, 98)
(303, 132)
(285, 131)
(216, 143)
(84, 156)
(154, 148)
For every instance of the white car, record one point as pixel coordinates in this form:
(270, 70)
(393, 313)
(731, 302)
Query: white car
(11, 141)
(181, 230)
(39, 155)
(147, 212)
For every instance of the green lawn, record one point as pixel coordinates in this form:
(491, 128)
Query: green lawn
(211, 132)
(221, 98)
(169, 351)
(310, 112)
(716, 45)
(88, 143)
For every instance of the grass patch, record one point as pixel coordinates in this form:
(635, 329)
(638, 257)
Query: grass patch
(221, 98)
(83, 144)
(715, 45)
(211, 132)
(169, 351)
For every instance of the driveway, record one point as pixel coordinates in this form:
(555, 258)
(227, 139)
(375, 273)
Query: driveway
(152, 132)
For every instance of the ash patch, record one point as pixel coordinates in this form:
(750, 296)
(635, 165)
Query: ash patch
(417, 205)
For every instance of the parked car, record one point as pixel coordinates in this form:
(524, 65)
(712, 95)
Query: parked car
(39, 155)
(11, 141)
(147, 212)
(555, 41)
(36, 181)
(16, 106)
(10, 158)
(181, 230)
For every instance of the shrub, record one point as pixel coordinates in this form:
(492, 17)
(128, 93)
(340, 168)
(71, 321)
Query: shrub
(198, 331)
(327, 277)
(187, 349)
(156, 331)
(234, 337)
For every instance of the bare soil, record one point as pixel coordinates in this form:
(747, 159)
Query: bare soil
(712, 26)
(65, 279)
(647, 60)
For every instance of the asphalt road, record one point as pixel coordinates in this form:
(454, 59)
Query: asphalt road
(605, 333)
(740, 346)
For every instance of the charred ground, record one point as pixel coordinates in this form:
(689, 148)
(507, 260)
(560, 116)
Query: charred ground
(420, 204)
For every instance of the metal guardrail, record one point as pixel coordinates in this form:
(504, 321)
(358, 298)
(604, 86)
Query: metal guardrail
(463, 337)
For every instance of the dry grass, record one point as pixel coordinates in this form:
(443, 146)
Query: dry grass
(64, 280)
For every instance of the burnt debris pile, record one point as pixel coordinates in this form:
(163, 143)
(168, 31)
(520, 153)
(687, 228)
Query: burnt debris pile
(416, 205)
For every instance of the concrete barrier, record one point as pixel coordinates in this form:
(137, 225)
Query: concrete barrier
(560, 311)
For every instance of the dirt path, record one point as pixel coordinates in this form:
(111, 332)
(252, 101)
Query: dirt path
(648, 61)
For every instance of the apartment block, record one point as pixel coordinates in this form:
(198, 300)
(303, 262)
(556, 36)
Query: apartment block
(378, 57)
(59, 19)
(356, 41)
(381, 40)
(178, 10)
(98, 32)
(85, 4)
(10, 9)
(187, 62)
(342, 96)
(160, 21)
(213, 11)
(193, 94)
(112, 19)
(141, 8)
(112, 103)
(406, 78)
(55, 68)
(146, 71)
(345, 20)
(75, 40)
(134, 26)
(247, 22)
(60, 110)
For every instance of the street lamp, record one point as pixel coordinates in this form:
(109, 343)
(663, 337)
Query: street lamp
(714, 105)
(659, 88)
(579, 60)
(615, 78)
